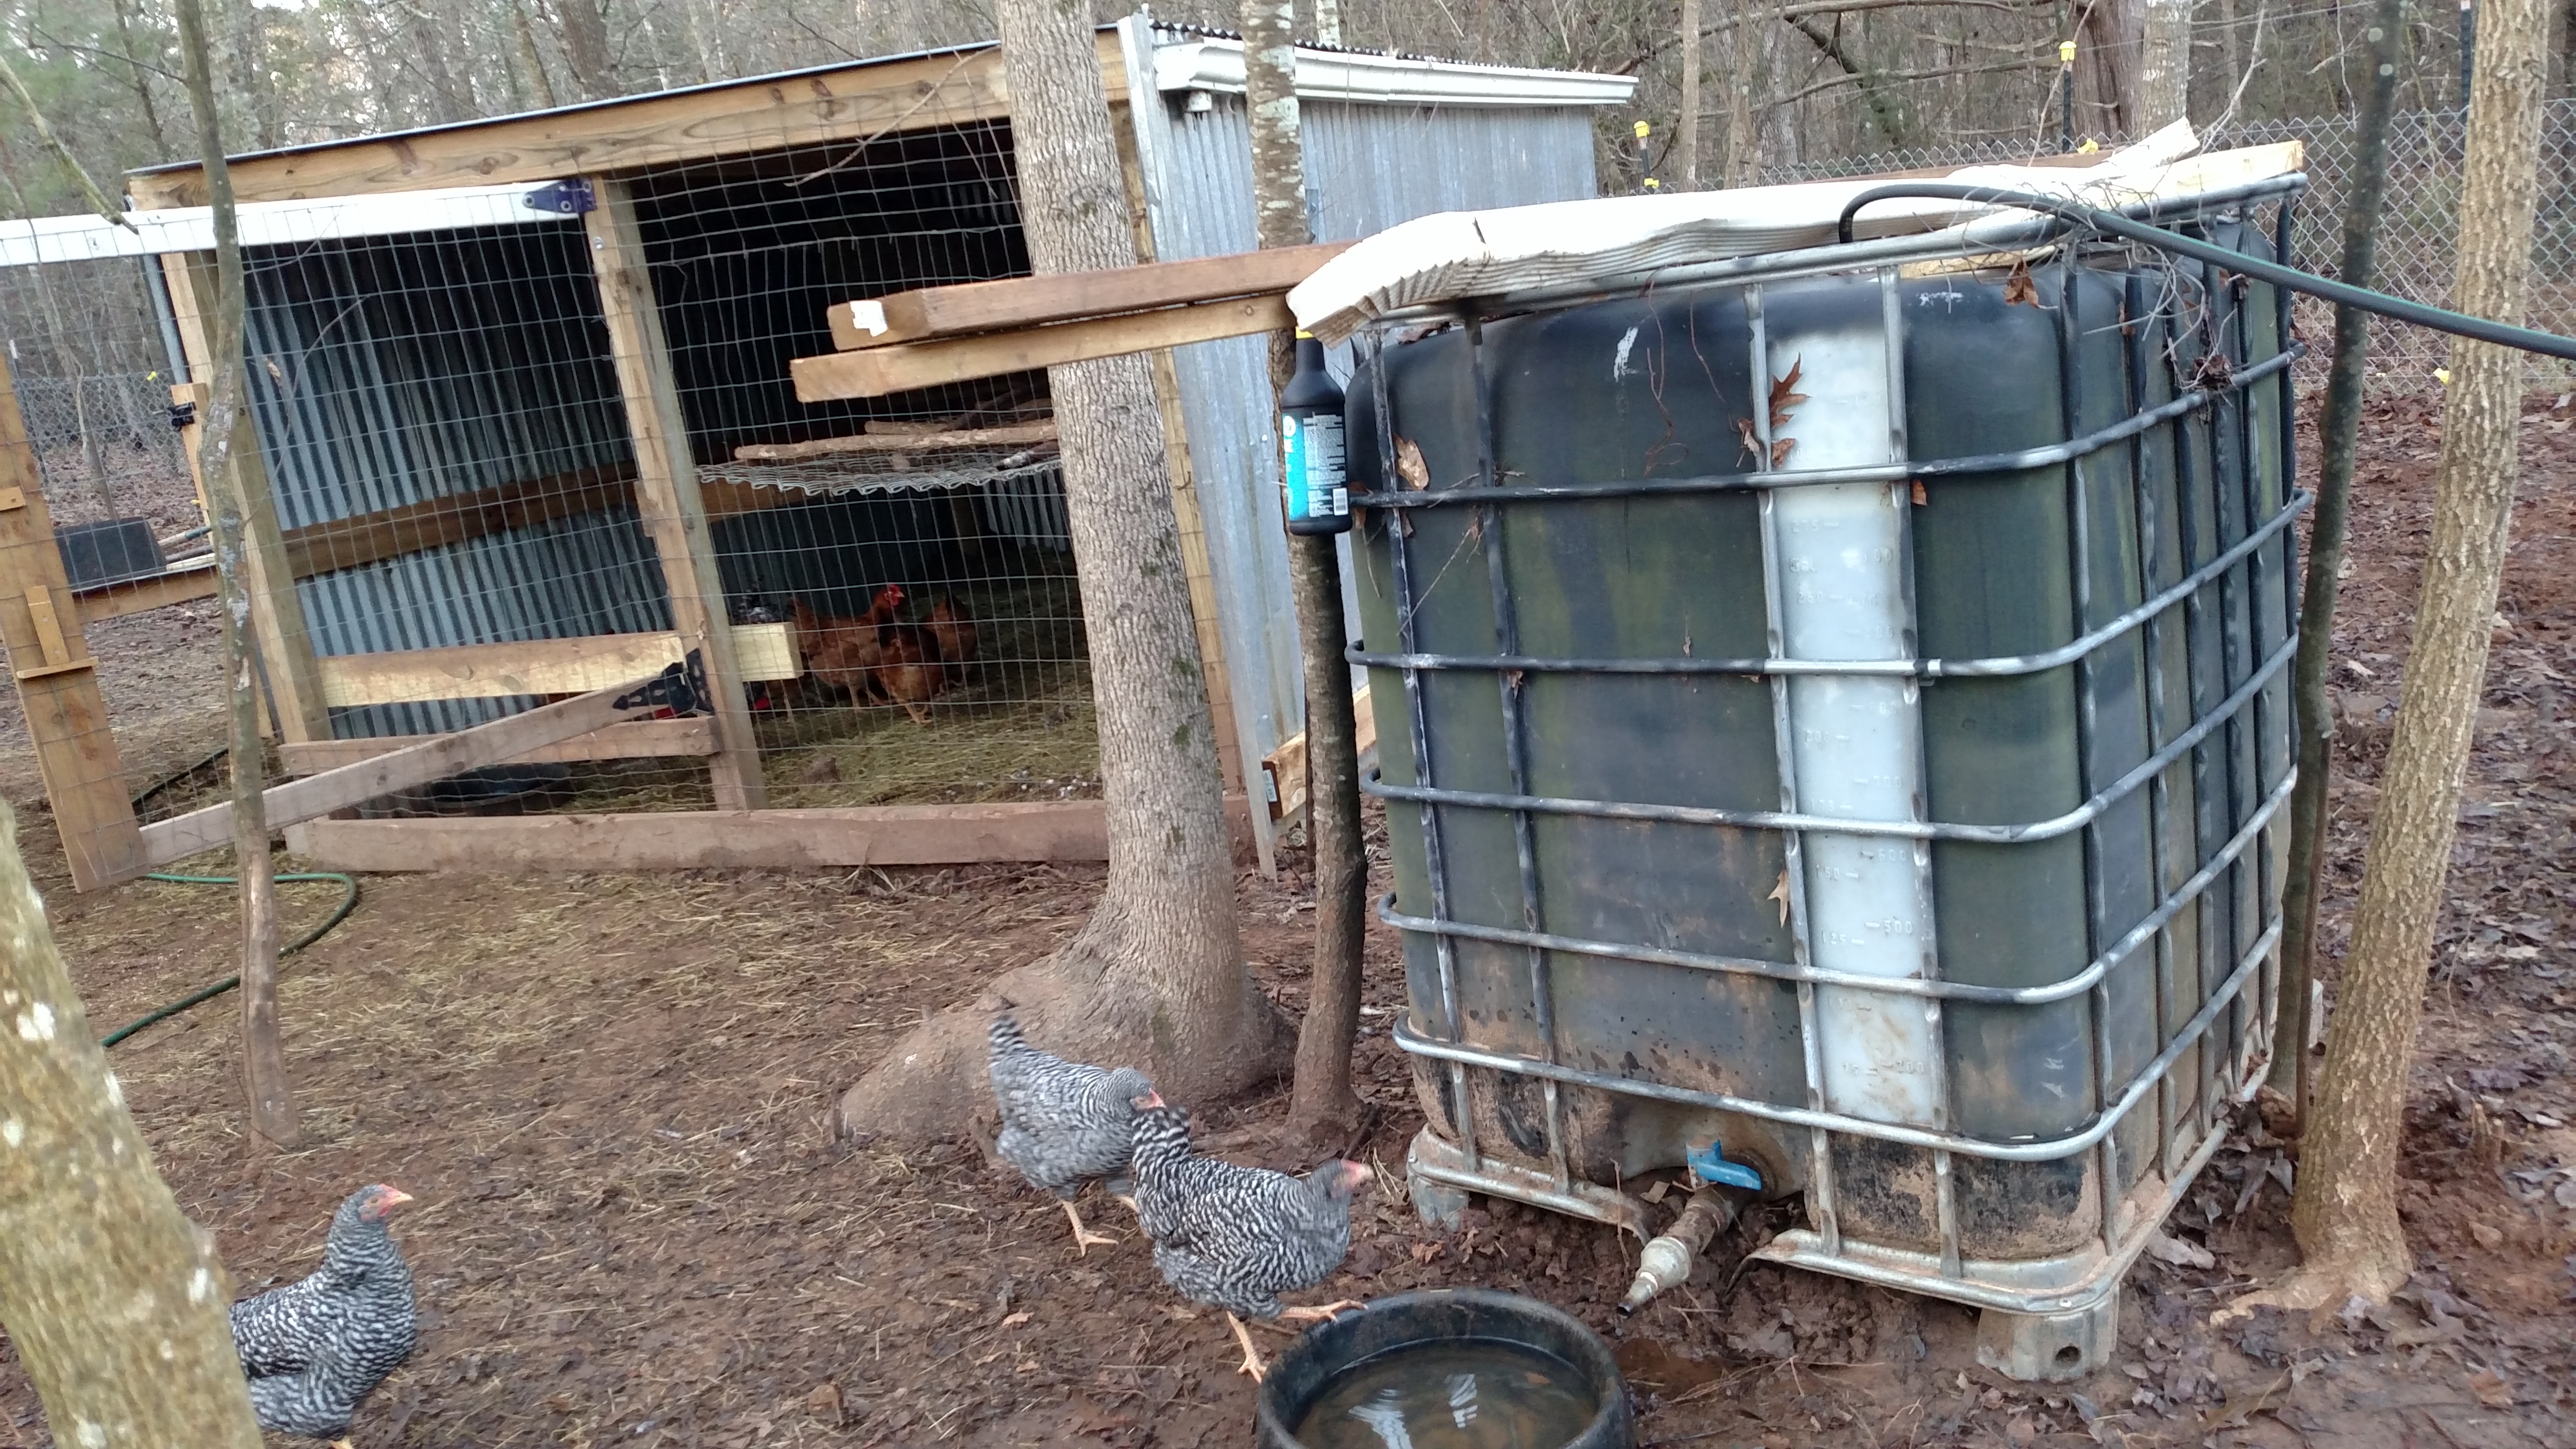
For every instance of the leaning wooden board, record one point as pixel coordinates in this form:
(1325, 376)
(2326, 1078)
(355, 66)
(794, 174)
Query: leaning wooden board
(1015, 303)
(356, 783)
(884, 371)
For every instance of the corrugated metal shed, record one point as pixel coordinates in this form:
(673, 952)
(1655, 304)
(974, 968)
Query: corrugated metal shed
(1368, 167)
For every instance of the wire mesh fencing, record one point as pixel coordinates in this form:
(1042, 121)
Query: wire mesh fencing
(2418, 233)
(538, 443)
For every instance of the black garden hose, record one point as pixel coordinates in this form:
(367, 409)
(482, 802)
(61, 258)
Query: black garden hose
(2076, 214)
(158, 1015)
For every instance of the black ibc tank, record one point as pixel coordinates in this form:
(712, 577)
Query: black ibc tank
(1835, 722)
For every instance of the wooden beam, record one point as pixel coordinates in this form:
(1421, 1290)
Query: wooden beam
(277, 615)
(137, 596)
(1018, 302)
(347, 543)
(882, 371)
(1019, 435)
(852, 103)
(642, 739)
(57, 683)
(537, 666)
(1284, 770)
(666, 482)
(365, 780)
(802, 839)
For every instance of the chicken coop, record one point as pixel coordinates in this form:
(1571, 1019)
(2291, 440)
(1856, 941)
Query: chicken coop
(521, 425)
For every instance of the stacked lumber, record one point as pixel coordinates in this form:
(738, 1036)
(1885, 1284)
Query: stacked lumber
(937, 335)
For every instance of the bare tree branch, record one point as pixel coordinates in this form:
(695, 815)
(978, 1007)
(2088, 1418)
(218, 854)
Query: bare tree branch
(96, 198)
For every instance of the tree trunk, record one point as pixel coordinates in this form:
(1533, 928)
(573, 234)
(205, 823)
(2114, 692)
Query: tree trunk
(113, 1300)
(1156, 977)
(2338, 428)
(2345, 1209)
(1322, 1107)
(2164, 66)
(264, 1081)
(2108, 37)
(1690, 57)
(1743, 141)
(531, 57)
(585, 47)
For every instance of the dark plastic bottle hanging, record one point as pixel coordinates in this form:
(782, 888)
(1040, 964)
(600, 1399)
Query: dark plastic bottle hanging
(1314, 474)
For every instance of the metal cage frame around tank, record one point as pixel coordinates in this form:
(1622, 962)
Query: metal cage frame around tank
(1824, 1247)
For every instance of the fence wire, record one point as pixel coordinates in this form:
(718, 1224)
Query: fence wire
(447, 429)
(2418, 232)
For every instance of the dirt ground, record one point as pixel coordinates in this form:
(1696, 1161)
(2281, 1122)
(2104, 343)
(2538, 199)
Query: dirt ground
(610, 1095)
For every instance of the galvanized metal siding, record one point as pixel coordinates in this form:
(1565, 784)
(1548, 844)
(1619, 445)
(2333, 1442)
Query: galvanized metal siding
(1367, 168)
(399, 370)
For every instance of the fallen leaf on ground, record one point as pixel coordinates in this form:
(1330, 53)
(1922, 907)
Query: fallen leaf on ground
(2491, 1389)
(2180, 1253)
(1090, 1418)
(1016, 1319)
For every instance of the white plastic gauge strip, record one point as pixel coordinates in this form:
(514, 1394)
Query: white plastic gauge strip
(1854, 738)
(271, 223)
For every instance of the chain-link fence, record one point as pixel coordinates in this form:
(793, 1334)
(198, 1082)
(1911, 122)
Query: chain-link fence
(2418, 232)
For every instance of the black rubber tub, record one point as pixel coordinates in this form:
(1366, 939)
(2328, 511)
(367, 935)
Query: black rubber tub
(1442, 1316)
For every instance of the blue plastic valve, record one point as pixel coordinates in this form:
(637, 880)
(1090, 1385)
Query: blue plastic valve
(1711, 1165)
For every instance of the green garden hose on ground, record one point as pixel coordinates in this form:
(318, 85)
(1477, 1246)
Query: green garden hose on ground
(347, 904)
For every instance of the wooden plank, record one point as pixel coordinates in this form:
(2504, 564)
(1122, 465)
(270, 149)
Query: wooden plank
(286, 661)
(1017, 302)
(49, 625)
(666, 483)
(66, 718)
(537, 666)
(1019, 435)
(357, 783)
(136, 596)
(1284, 770)
(1071, 831)
(855, 102)
(641, 739)
(881, 371)
(346, 543)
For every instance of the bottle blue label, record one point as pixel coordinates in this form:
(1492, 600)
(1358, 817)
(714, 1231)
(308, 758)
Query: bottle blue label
(1315, 479)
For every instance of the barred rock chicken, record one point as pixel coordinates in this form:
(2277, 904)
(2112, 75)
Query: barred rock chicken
(314, 1350)
(1237, 1237)
(1063, 1122)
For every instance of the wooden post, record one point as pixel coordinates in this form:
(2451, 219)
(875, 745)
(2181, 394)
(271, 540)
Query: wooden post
(666, 483)
(57, 680)
(277, 615)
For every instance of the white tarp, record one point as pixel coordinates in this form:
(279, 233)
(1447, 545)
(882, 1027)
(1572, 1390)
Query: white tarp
(1570, 244)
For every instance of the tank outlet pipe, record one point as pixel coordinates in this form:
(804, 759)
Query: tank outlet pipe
(1666, 1262)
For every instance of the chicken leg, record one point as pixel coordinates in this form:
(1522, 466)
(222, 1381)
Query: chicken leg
(1083, 1237)
(1251, 1360)
(1326, 1314)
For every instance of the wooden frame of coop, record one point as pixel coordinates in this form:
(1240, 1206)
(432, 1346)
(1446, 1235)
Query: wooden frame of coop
(612, 146)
